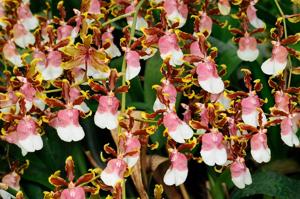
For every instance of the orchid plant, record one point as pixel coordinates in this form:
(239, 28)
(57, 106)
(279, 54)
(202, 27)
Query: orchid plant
(145, 90)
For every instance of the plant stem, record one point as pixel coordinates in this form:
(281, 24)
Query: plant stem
(285, 36)
(132, 31)
(123, 71)
(53, 90)
(117, 18)
(184, 192)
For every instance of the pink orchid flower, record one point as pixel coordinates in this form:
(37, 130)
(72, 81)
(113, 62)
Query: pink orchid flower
(252, 17)
(250, 113)
(49, 66)
(67, 125)
(11, 54)
(106, 115)
(177, 129)
(140, 22)
(133, 64)
(248, 48)
(177, 12)
(112, 51)
(114, 172)
(259, 147)
(25, 16)
(169, 92)
(213, 150)
(26, 136)
(240, 174)
(169, 49)
(208, 77)
(22, 37)
(178, 170)
(277, 63)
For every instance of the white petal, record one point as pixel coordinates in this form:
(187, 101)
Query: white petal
(70, 133)
(224, 10)
(113, 51)
(185, 130)
(30, 23)
(221, 156)
(177, 136)
(110, 179)
(106, 120)
(261, 155)
(213, 85)
(16, 60)
(271, 67)
(247, 177)
(39, 103)
(290, 139)
(182, 132)
(132, 72)
(176, 58)
(174, 176)
(214, 156)
(169, 178)
(131, 161)
(208, 157)
(96, 73)
(176, 17)
(158, 105)
(37, 141)
(251, 119)
(82, 107)
(248, 55)
(257, 23)
(242, 180)
(51, 72)
(141, 23)
(31, 144)
(25, 40)
(180, 176)
(28, 105)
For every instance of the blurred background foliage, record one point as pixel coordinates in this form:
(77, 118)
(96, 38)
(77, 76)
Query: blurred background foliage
(279, 178)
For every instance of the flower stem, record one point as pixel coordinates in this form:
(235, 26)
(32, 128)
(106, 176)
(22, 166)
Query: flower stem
(117, 19)
(132, 31)
(285, 36)
(123, 99)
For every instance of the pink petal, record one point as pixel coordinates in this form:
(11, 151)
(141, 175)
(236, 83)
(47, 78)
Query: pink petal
(169, 48)
(114, 172)
(259, 148)
(73, 193)
(213, 150)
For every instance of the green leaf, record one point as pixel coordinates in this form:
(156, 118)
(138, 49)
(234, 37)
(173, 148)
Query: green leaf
(136, 91)
(95, 139)
(216, 190)
(152, 76)
(271, 184)
(32, 190)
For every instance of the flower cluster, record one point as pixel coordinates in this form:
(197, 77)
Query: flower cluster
(55, 67)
